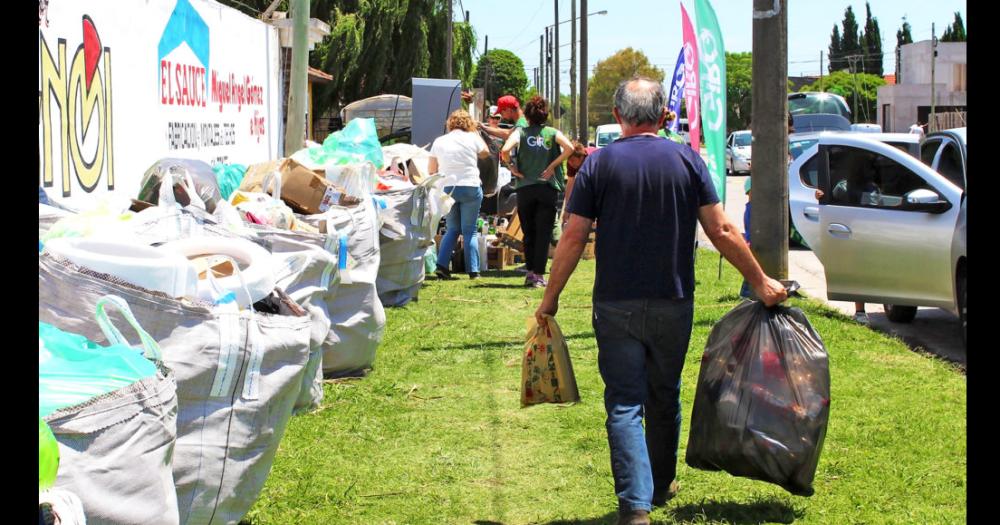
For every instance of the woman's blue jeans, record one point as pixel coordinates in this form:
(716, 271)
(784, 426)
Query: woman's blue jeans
(641, 346)
(462, 219)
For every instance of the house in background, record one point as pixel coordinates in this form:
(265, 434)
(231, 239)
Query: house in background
(908, 100)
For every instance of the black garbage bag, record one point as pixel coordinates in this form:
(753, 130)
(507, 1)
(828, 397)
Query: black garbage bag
(488, 167)
(763, 398)
(206, 185)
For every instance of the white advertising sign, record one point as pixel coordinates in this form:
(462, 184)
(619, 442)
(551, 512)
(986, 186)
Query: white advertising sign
(123, 84)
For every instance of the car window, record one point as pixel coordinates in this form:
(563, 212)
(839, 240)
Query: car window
(950, 164)
(862, 178)
(742, 139)
(809, 173)
(928, 150)
(799, 147)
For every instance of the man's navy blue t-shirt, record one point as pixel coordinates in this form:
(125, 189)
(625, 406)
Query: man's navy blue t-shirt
(644, 192)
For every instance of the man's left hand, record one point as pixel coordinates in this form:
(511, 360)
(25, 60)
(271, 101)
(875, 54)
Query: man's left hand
(546, 308)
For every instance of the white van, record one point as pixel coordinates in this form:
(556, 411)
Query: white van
(683, 131)
(607, 133)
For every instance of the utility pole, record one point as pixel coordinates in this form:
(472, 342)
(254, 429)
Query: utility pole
(852, 61)
(572, 68)
(555, 68)
(489, 69)
(931, 121)
(548, 62)
(821, 72)
(769, 222)
(584, 70)
(541, 65)
(451, 34)
(298, 84)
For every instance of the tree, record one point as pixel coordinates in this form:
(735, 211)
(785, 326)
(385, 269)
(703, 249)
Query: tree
(849, 43)
(739, 81)
(505, 72)
(903, 36)
(956, 31)
(861, 85)
(608, 73)
(872, 44)
(835, 51)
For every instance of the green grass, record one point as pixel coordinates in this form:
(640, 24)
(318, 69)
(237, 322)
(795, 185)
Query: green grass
(436, 434)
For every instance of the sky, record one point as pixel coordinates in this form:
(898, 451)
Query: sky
(654, 27)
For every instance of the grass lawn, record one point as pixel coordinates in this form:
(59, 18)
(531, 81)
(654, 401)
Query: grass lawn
(435, 434)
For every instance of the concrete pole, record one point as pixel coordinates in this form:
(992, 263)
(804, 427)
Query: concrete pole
(821, 72)
(572, 68)
(769, 219)
(555, 68)
(541, 65)
(931, 121)
(448, 43)
(584, 71)
(295, 129)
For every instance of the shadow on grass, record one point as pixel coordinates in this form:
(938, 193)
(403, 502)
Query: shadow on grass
(603, 520)
(764, 511)
(493, 345)
(502, 285)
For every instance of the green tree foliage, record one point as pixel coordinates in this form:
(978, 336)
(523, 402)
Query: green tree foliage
(903, 36)
(849, 43)
(861, 85)
(834, 49)
(608, 74)
(505, 72)
(377, 46)
(871, 42)
(739, 81)
(956, 31)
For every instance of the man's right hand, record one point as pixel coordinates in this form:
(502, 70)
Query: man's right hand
(771, 292)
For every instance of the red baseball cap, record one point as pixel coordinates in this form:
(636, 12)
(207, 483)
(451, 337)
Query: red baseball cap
(507, 102)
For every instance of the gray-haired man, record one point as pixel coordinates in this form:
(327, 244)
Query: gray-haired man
(646, 195)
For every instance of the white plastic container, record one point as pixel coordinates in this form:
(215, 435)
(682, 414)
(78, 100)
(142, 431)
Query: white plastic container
(144, 266)
(254, 280)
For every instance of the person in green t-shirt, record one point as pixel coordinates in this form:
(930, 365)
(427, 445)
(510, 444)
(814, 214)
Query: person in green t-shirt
(541, 151)
(668, 133)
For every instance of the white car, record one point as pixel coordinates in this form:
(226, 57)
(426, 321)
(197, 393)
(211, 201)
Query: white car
(738, 149)
(607, 133)
(889, 228)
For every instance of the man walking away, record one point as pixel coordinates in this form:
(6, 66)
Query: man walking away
(646, 194)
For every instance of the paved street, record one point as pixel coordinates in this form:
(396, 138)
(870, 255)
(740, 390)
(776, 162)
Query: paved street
(934, 330)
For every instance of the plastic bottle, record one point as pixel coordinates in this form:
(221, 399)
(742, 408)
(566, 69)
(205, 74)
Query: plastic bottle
(48, 456)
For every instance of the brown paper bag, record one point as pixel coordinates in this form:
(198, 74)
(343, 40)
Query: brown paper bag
(546, 370)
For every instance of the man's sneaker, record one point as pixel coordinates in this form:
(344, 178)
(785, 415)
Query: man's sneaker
(540, 282)
(474, 275)
(529, 280)
(862, 318)
(633, 517)
(442, 272)
(660, 500)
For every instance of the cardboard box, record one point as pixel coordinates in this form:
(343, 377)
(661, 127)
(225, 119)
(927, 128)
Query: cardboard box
(253, 180)
(496, 257)
(307, 191)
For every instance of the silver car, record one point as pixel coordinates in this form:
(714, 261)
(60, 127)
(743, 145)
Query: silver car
(889, 228)
(738, 149)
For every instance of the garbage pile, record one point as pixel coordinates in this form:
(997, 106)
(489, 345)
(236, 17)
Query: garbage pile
(179, 331)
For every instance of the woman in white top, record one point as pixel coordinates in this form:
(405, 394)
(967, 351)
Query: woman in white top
(455, 155)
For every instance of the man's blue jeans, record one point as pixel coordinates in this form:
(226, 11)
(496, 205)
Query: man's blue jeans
(641, 348)
(462, 219)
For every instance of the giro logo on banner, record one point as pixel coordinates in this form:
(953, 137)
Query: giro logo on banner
(75, 110)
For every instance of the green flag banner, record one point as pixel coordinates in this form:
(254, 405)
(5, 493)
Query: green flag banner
(712, 76)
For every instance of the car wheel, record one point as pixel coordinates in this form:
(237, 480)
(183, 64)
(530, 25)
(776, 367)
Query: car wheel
(729, 168)
(900, 314)
(962, 305)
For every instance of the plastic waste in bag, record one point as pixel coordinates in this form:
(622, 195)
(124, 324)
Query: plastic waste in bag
(356, 143)
(763, 398)
(430, 258)
(48, 456)
(229, 177)
(546, 370)
(206, 186)
(73, 369)
(110, 217)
